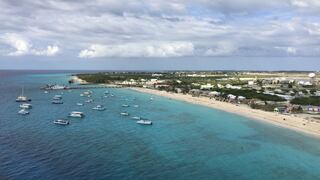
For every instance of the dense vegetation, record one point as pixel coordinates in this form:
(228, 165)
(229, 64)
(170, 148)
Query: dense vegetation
(313, 100)
(250, 94)
(122, 76)
(267, 107)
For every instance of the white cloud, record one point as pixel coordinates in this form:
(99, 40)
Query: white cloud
(291, 50)
(222, 49)
(50, 51)
(143, 28)
(22, 46)
(306, 3)
(163, 49)
(300, 3)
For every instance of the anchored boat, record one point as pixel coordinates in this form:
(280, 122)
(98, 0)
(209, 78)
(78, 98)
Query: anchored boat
(23, 112)
(57, 102)
(99, 108)
(124, 114)
(61, 122)
(25, 106)
(76, 114)
(144, 122)
(22, 98)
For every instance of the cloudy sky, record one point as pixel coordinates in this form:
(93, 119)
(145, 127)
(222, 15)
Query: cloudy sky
(176, 34)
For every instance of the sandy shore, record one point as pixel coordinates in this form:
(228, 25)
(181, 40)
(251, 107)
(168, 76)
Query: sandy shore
(76, 79)
(288, 121)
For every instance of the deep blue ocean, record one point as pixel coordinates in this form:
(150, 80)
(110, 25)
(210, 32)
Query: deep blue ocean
(185, 142)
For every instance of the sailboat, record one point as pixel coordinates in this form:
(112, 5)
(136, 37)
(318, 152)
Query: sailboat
(22, 98)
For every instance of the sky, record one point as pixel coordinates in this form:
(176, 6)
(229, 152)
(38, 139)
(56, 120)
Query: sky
(160, 35)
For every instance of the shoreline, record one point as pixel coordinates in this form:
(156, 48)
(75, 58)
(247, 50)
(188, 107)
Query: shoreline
(297, 124)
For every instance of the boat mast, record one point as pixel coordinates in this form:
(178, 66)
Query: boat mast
(22, 90)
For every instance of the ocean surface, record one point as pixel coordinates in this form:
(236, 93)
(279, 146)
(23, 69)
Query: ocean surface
(185, 142)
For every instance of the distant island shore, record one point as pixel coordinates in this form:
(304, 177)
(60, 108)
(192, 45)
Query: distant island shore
(287, 99)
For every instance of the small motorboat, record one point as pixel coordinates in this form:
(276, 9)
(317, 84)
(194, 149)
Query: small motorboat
(23, 112)
(89, 101)
(144, 122)
(124, 114)
(136, 118)
(57, 97)
(61, 122)
(57, 102)
(25, 106)
(46, 92)
(125, 105)
(79, 104)
(99, 108)
(76, 114)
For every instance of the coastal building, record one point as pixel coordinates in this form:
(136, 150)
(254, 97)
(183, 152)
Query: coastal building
(206, 86)
(231, 96)
(251, 83)
(229, 86)
(220, 86)
(178, 90)
(214, 93)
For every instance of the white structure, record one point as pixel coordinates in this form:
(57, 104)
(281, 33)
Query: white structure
(220, 86)
(206, 86)
(305, 83)
(214, 93)
(312, 75)
(250, 83)
(229, 86)
(231, 96)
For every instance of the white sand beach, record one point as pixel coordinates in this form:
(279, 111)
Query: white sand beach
(287, 121)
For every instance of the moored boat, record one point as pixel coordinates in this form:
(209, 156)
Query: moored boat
(57, 97)
(76, 114)
(124, 114)
(22, 97)
(99, 108)
(89, 101)
(144, 122)
(61, 122)
(23, 112)
(136, 117)
(57, 102)
(25, 106)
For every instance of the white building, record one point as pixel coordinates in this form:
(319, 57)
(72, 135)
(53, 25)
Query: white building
(206, 86)
(250, 83)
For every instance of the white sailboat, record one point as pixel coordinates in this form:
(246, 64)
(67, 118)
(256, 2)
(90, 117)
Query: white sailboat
(22, 98)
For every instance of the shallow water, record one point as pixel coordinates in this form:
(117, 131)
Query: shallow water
(186, 141)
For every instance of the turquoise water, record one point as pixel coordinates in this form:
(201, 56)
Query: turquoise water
(186, 141)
